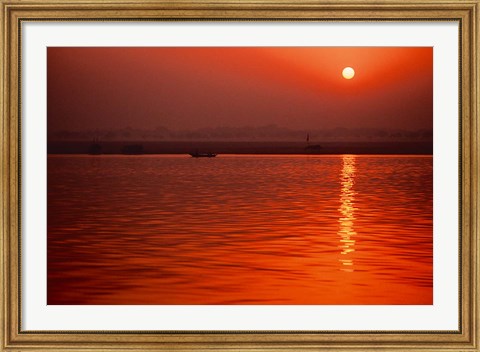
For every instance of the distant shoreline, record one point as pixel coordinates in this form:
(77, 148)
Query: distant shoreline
(273, 148)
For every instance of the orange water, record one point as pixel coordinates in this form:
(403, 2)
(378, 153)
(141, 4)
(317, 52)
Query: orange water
(168, 229)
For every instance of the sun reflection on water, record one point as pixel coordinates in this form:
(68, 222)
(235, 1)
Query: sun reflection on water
(347, 214)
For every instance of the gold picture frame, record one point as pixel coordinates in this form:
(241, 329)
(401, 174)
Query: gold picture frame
(15, 12)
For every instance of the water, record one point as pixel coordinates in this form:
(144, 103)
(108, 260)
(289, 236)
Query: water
(240, 229)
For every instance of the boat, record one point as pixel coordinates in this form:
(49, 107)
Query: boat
(203, 155)
(95, 148)
(312, 148)
(133, 149)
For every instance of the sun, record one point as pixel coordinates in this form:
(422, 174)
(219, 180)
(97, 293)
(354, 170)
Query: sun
(348, 73)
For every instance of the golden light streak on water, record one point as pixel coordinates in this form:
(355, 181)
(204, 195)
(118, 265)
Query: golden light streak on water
(346, 220)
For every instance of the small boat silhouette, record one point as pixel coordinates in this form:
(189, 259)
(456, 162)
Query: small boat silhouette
(203, 155)
(315, 148)
(133, 149)
(95, 148)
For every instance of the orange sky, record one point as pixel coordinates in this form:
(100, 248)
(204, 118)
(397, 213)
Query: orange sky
(189, 88)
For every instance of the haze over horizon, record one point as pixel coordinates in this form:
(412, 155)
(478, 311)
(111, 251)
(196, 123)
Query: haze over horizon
(267, 133)
(198, 89)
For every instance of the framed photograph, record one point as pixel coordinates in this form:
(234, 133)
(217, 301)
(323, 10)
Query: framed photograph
(239, 176)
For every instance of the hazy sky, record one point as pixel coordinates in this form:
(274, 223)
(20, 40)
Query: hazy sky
(190, 88)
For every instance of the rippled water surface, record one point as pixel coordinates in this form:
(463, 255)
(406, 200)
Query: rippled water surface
(171, 229)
